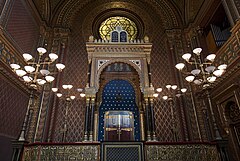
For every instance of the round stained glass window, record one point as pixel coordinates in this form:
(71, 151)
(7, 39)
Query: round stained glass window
(111, 23)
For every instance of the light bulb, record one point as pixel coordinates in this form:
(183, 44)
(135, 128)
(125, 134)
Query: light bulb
(14, 66)
(27, 56)
(183, 90)
(155, 95)
(211, 79)
(41, 50)
(44, 72)
(190, 78)
(218, 72)
(29, 69)
(222, 66)
(60, 66)
(70, 86)
(159, 89)
(59, 94)
(186, 56)
(211, 57)
(198, 81)
(197, 51)
(210, 69)
(53, 56)
(196, 71)
(79, 89)
(180, 66)
(41, 81)
(27, 79)
(49, 78)
(168, 86)
(72, 97)
(174, 87)
(165, 97)
(65, 86)
(20, 72)
(82, 94)
(54, 89)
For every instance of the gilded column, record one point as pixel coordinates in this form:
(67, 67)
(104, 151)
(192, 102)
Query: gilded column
(92, 108)
(147, 119)
(85, 138)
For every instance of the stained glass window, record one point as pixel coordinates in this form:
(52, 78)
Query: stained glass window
(111, 23)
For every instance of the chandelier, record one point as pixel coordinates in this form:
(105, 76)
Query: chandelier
(36, 73)
(204, 72)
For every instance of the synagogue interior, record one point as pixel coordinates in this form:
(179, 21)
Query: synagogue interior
(120, 80)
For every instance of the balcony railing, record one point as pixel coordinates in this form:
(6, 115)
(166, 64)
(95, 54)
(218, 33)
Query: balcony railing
(181, 151)
(61, 152)
(154, 151)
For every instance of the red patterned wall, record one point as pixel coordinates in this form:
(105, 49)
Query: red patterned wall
(75, 74)
(2, 2)
(22, 27)
(13, 105)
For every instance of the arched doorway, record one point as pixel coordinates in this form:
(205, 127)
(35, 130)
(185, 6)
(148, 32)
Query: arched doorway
(118, 113)
(119, 104)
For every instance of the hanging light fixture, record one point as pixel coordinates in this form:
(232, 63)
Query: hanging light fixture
(34, 73)
(204, 72)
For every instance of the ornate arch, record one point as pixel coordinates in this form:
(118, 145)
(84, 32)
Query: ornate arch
(99, 72)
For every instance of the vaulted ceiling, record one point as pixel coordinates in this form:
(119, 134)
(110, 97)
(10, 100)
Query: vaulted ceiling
(172, 13)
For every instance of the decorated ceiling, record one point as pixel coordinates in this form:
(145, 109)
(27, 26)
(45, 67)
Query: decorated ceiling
(174, 13)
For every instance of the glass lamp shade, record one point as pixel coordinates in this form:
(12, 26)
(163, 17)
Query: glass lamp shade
(41, 50)
(174, 87)
(59, 94)
(44, 72)
(20, 72)
(27, 79)
(197, 51)
(197, 81)
(211, 79)
(65, 86)
(41, 81)
(53, 56)
(190, 78)
(210, 69)
(82, 94)
(218, 73)
(29, 69)
(54, 89)
(183, 90)
(195, 71)
(186, 56)
(155, 95)
(72, 97)
(180, 66)
(49, 78)
(27, 56)
(79, 89)
(159, 89)
(211, 57)
(14, 66)
(60, 66)
(168, 86)
(165, 97)
(222, 67)
(70, 86)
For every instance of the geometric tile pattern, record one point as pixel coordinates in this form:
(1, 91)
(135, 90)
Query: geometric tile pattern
(161, 76)
(75, 73)
(22, 27)
(13, 102)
